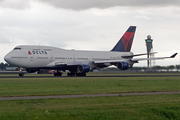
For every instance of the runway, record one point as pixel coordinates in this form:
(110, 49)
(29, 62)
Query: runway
(91, 95)
(34, 76)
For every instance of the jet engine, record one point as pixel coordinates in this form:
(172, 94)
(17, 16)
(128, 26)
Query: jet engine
(122, 65)
(83, 68)
(31, 70)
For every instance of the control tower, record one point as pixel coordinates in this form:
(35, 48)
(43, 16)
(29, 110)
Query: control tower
(149, 47)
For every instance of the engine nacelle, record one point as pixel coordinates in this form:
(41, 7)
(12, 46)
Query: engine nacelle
(83, 68)
(31, 70)
(122, 65)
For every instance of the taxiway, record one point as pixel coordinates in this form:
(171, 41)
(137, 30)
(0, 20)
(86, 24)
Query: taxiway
(91, 95)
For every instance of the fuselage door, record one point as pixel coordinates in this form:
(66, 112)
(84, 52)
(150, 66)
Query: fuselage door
(30, 54)
(74, 58)
(50, 56)
(73, 55)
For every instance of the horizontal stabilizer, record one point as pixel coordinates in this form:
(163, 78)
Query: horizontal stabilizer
(174, 55)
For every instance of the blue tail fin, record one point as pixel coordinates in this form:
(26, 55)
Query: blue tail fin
(125, 43)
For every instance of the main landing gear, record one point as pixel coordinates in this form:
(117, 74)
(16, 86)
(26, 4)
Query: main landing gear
(58, 73)
(71, 74)
(81, 74)
(77, 74)
(20, 74)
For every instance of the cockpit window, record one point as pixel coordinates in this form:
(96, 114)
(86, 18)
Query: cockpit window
(17, 48)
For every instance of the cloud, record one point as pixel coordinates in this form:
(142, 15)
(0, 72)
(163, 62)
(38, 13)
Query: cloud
(76, 26)
(84, 4)
(3, 39)
(87, 4)
(15, 4)
(144, 17)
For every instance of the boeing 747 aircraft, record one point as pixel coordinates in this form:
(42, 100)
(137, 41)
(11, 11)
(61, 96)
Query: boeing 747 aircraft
(78, 62)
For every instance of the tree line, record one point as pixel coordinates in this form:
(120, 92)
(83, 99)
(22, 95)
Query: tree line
(4, 65)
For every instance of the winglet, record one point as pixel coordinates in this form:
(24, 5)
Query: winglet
(174, 55)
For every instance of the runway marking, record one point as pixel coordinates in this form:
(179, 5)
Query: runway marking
(91, 95)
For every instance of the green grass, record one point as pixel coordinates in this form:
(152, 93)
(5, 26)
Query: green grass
(152, 107)
(74, 85)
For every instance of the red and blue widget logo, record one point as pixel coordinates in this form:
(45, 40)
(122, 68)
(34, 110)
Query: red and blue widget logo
(29, 53)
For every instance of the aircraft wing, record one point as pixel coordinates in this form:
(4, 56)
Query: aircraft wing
(69, 63)
(60, 64)
(130, 56)
(108, 61)
(135, 60)
(121, 60)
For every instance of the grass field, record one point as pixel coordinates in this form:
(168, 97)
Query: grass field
(153, 107)
(162, 107)
(64, 86)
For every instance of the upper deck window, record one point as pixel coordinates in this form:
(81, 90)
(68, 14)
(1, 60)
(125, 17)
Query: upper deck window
(17, 48)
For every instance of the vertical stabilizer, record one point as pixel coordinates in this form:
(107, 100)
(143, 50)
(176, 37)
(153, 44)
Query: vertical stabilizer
(124, 44)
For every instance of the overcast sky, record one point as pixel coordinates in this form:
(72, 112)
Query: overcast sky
(91, 25)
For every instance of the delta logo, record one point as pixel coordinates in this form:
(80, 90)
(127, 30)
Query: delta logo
(36, 52)
(29, 53)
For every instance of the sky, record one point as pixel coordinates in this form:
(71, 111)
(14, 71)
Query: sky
(91, 25)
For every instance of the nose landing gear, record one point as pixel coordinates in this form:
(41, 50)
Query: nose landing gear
(21, 74)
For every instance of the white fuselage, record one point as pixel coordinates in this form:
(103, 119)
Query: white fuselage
(43, 56)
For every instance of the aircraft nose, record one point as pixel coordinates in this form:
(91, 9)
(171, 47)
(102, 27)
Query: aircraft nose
(6, 58)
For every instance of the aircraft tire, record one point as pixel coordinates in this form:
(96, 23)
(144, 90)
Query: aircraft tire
(81, 74)
(21, 74)
(59, 74)
(73, 74)
(55, 74)
(84, 74)
(70, 74)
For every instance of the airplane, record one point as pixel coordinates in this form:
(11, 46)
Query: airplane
(78, 62)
